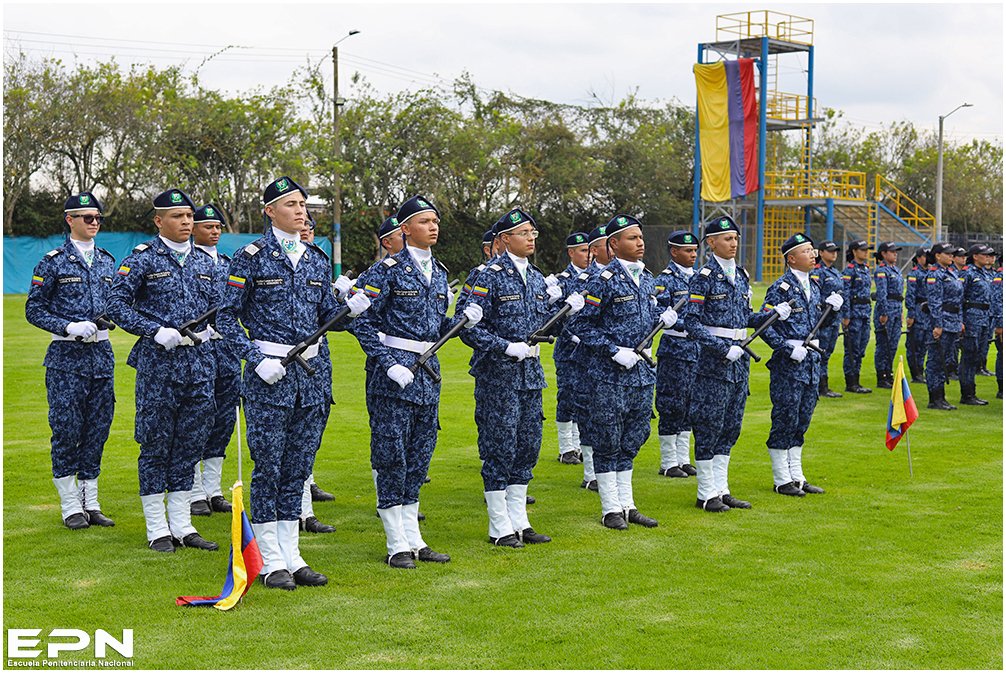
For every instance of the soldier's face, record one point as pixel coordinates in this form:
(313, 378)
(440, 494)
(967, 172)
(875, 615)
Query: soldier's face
(828, 256)
(393, 244)
(81, 230)
(628, 244)
(422, 230)
(175, 224)
(601, 253)
(520, 241)
(289, 213)
(684, 255)
(579, 256)
(982, 261)
(724, 245)
(890, 256)
(802, 259)
(944, 259)
(307, 233)
(206, 233)
(860, 256)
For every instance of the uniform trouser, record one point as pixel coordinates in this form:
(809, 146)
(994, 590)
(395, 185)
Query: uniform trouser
(827, 337)
(793, 404)
(80, 415)
(673, 391)
(565, 383)
(282, 442)
(619, 424)
(971, 353)
(887, 344)
(509, 422)
(226, 393)
(716, 412)
(935, 373)
(983, 358)
(857, 336)
(402, 438)
(999, 361)
(917, 346)
(172, 421)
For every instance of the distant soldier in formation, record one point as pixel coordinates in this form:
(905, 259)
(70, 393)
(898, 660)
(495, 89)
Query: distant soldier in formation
(976, 307)
(207, 494)
(829, 281)
(69, 289)
(944, 292)
(794, 369)
(718, 318)
(890, 287)
(856, 313)
(620, 312)
(997, 322)
(915, 321)
(677, 357)
(160, 286)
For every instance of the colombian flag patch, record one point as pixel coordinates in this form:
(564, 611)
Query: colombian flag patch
(697, 299)
(123, 270)
(372, 291)
(236, 281)
(479, 291)
(593, 301)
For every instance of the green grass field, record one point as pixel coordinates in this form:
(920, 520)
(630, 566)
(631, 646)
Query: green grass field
(882, 571)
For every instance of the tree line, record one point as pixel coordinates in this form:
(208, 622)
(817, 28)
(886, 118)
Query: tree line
(128, 134)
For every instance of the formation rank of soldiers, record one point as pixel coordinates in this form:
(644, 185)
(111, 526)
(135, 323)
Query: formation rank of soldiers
(198, 314)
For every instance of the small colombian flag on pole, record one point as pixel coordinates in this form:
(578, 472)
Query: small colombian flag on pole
(902, 413)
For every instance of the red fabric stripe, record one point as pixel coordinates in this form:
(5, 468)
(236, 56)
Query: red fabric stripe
(750, 124)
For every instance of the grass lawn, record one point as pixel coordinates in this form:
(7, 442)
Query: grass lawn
(882, 571)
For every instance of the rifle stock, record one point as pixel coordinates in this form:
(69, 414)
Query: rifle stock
(296, 353)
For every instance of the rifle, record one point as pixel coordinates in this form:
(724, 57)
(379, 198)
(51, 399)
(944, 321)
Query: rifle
(641, 346)
(296, 353)
(349, 274)
(102, 322)
(947, 370)
(539, 335)
(188, 329)
(422, 360)
(829, 309)
(771, 320)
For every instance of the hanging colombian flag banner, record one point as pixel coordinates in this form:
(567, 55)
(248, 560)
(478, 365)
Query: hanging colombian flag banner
(728, 128)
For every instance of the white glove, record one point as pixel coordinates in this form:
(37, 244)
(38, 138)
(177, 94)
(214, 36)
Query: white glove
(783, 310)
(474, 314)
(575, 300)
(357, 304)
(215, 335)
(342, 285)
(625, 357)
(450, 295)
(85, 329)
(168, 337)
(798, 354)
(519, 350)
(270, 370)
(400, 375)
(835, 300)
(551, 280)
(669, 318)
(554, 293)
(734, 353)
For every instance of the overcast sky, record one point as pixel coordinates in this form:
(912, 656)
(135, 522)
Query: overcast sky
(879, 63)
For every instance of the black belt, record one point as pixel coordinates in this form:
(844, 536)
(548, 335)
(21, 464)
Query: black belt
(980, 305)
(897, 297)
(951, 308)
(860, 300)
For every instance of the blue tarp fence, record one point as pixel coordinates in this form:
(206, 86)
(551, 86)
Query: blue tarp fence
(22, 253)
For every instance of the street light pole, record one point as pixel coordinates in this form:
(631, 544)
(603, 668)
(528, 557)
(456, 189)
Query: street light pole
(336, 236)
(939, 175)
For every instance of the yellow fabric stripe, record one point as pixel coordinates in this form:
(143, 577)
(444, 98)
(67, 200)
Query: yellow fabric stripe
(714, 130)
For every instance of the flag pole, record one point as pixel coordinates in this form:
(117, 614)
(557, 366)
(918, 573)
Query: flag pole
(908, 445)
(237, 410)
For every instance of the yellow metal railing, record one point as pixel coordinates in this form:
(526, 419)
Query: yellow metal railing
(788, 106)
(764, 23)
(901, 205)
(781, 222)
(817, 184)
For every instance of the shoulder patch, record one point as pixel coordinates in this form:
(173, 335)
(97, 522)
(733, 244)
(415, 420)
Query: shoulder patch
(251, 250)
(705, 271)
(584, 276)
(141, 247)
(564, 274)
(53, 253)
(785, 286)
(496, 267)
(606, 274)
(389, 262)
(480, 267)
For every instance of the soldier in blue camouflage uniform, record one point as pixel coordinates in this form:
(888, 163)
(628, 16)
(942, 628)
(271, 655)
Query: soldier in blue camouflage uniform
(207, 494)
(280, 289)
(829, 281)
(508, 377)
(565, 365)
(160, 286)
(491, 248)
(620, 311)
(677, 356)
(915, 320)
(793, 368)
(996, 321)
(408, 314)
(856, 313)
(718, 317)
(944, 292)
(977, 304)
(890, 287)
(69, 289)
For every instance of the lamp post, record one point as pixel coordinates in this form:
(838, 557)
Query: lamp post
(939, 175)
(336, 237)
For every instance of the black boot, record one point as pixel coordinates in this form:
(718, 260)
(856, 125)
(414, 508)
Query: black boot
(823, 390)
(885, 380)
(938, 400)
(999, 395)
(968, 396)
(852, 385)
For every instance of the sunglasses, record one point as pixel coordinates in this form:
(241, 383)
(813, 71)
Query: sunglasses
(89, 219)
